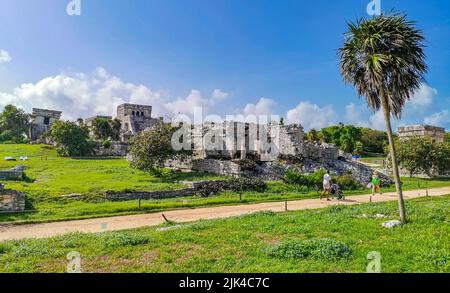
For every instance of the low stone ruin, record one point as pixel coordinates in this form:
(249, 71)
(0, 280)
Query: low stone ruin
(245, 158)
(201, 188)
(11, 200)
(16, 173)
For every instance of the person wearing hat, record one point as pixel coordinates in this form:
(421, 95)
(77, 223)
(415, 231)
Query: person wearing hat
(376, 183)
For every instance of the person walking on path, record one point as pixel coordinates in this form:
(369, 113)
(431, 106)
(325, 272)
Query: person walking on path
(376, 183)
(326, 185)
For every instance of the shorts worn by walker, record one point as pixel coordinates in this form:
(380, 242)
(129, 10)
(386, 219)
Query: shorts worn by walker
(326, 186)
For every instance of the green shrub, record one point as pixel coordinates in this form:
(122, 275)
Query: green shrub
(347, 182)
(328, 249)
(106, 144)
(118, 239)
(247, 184)
(294, 177)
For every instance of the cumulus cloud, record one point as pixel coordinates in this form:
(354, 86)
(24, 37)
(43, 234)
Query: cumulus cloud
(4, 57)
(187, 105)
(356, 115)
(423, 96)
(219, 95)
(311, 115)
(264, 106)
(438, 119)
(84, 95)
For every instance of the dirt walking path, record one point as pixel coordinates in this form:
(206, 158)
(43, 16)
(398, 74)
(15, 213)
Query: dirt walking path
(14, 232)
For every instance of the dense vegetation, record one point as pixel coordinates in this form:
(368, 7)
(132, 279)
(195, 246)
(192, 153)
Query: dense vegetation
(104, 128)
(314, 181)
(151, 148)
(336, 239)
(14, 125)
(351, 139)
(71, 139)
(422, 156)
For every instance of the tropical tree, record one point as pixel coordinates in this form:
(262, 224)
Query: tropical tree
(151, 148)
(14, 124)
(102, 128)
(71, 139)
(383, 58)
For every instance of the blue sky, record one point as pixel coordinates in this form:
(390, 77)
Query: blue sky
(246, 56)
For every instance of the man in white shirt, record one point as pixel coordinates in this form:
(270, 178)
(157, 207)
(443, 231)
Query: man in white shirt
(326, 185)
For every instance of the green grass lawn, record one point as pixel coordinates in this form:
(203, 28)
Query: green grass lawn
(52, 176)
(241, 244)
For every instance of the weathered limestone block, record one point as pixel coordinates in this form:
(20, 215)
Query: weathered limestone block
(16, 173)
(227, 168)
(11, 200)
(117, 149)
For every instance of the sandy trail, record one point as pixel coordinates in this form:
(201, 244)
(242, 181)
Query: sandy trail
(14, 232)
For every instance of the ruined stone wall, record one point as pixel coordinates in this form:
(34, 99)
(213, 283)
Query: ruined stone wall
(11, 200)
(42, 120)
(117, 149)
(227, 168)
(194, 188)
(437, 134)
(16, 173)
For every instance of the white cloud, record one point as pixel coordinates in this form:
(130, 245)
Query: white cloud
(188, 104)
(423, 96)
(377, 121)
(4, 57)
(84, 95)
(264, 106)
(356, 115)
(438, 119)
(219, 95)
(311, 115)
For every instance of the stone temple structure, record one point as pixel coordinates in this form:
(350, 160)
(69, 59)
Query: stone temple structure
(266, 153)
(135, 118)
(42, 120)
(436, 134)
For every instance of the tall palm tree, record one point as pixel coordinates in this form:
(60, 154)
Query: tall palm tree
(383, 58)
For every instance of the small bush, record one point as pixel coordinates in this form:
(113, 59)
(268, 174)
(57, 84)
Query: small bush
(2, 248)
(328, 249)
(106, 144)
(247, 184)
(118, 239)
(347, 182)
(35, 248)
(296, 178)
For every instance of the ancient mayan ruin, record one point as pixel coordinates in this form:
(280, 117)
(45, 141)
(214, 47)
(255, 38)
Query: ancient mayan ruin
(42, 121)
(436, 134)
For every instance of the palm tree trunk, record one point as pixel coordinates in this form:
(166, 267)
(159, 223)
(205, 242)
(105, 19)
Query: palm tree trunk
(387, 118)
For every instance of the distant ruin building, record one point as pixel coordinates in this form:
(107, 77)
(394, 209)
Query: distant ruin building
(436, 134)
(135, 118)
(42, 120)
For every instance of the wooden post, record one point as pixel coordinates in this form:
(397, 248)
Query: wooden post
(285, 206)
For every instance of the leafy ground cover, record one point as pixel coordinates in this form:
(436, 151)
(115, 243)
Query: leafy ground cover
(335, 239)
